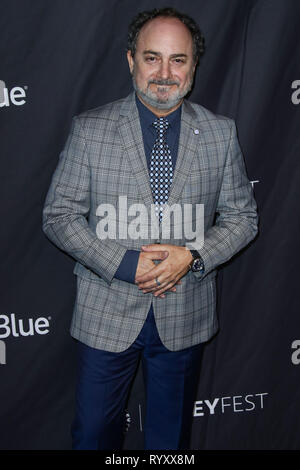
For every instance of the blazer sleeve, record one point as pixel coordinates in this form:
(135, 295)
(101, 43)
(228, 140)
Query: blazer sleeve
(236, 212)
(127, 268)
(67, 206)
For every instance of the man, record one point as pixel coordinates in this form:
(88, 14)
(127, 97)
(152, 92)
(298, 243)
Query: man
(147, 296)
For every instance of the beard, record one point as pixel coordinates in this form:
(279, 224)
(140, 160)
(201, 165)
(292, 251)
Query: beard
(153, 98)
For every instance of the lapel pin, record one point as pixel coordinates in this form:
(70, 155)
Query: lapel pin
(196, 131)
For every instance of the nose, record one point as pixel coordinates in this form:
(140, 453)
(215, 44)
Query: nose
(165, 71)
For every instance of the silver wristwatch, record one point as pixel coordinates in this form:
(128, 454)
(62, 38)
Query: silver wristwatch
(197, 265)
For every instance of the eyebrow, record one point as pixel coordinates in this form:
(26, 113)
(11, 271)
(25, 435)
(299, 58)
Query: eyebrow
(159, 54)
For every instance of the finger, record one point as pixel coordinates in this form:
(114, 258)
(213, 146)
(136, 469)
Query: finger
(155, 288)
(152, 286)
(150, 275)
(152, 247)
(173, 289)
(164, 289)
(157, 255)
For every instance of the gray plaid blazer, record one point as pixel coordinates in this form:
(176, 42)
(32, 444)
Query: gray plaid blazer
(104, 158)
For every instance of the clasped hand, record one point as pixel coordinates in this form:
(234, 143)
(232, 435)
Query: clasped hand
(175, 263)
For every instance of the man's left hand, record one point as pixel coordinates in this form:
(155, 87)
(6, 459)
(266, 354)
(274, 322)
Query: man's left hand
(168, 271)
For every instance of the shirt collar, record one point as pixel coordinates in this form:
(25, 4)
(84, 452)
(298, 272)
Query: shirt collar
(148, 117)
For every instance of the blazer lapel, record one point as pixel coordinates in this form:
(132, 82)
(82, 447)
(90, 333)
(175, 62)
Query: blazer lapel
(189, 141)
(131, 134)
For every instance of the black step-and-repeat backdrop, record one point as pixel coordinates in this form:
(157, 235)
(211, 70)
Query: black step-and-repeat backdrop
(61, 57)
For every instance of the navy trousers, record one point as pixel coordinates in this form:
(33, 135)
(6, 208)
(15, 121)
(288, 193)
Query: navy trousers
(103, 384)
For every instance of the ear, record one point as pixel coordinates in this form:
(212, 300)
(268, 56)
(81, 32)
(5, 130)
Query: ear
(130, 61)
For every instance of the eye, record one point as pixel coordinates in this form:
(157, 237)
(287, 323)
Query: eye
(178, 60)
(150, 59)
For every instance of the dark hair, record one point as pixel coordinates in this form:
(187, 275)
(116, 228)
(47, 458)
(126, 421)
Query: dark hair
(145, 16)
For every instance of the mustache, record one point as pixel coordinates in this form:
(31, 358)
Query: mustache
(163, 82)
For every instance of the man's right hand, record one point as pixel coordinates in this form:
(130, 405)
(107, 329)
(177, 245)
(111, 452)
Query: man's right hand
(146, 263)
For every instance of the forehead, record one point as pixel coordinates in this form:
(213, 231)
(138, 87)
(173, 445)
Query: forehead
(165, 35)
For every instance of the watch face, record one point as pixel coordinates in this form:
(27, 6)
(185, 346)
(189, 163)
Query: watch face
(197, 265)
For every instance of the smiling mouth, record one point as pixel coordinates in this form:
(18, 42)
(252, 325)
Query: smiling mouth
(163, 90)
(162, 83)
